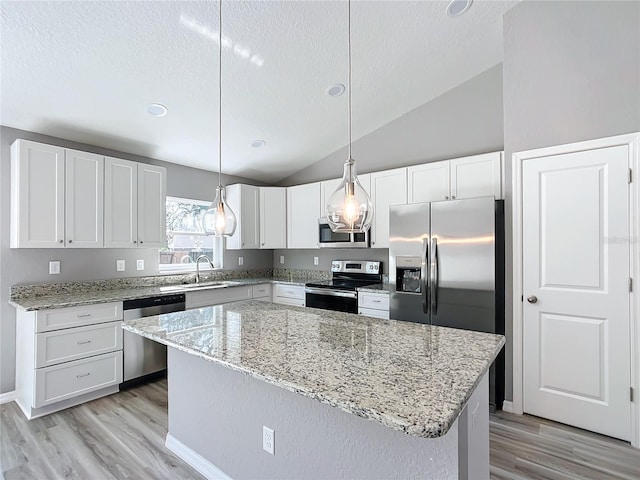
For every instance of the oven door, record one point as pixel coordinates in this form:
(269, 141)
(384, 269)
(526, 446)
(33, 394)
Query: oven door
(338, 300)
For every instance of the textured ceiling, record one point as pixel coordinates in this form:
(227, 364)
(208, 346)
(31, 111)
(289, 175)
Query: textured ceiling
(87, 70)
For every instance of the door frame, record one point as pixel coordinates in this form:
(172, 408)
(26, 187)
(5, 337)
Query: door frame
(632, 140)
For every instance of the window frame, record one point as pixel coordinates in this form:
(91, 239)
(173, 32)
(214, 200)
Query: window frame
(218, 245)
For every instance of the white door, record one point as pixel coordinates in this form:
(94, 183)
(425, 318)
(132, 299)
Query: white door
(152, 201)
(250, 218)
(387, 188)
(37, 195)
(120, 203)
(273, 217)
(576, 264)
(303, 211)
(327, 187)
(84, 200)
(428, 183)
(476, 176)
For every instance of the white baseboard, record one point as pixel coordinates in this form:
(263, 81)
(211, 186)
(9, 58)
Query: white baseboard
(507, 406)
(7, 397)
(199, 463)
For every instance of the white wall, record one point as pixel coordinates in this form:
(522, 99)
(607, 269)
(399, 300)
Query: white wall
(20, 266)
(571, 73)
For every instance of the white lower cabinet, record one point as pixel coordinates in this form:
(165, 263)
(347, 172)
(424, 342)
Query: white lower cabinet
(261, 292)
(289, 294)
(66, 356)
(373, 304)
(216, 296)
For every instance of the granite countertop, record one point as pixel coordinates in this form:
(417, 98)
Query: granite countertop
(407, 376)
(89, 296)
(377, 288)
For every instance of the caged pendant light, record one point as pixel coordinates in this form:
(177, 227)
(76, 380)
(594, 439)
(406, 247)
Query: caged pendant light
(219, 220)
(350, 209)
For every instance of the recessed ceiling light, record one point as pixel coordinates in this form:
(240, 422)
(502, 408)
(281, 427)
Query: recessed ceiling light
(157, 110)
(458, 7)
(258, 143)
(335, 90)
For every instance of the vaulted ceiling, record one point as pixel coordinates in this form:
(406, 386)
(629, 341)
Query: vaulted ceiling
(87, 71)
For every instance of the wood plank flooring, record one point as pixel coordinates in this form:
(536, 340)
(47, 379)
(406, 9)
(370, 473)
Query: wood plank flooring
(122, 437)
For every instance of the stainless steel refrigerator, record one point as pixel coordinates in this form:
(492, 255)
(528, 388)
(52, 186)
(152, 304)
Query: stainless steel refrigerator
(446, 268)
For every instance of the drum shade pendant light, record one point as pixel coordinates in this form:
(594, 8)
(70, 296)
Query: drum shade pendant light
(219, 220)
(349, 209)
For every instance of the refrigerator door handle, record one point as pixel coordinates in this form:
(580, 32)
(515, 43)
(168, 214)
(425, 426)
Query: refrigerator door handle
(424, 275)
(434, 280)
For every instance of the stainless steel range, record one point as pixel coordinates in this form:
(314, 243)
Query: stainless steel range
(340, 293)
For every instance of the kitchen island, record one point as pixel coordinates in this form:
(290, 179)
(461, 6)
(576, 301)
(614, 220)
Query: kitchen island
(347, 396)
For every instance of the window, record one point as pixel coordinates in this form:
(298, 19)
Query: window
(186, 240)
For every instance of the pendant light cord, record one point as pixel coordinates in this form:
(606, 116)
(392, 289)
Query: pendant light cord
(220, 95)
(349, 79)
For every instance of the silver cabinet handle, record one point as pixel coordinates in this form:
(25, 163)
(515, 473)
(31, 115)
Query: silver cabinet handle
(375, 301)
(84, 315)
(532, 299)
(83, 375)
(84, 342)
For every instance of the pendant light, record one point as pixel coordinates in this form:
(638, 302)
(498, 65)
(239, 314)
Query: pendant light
(349, 209)
(219, 220)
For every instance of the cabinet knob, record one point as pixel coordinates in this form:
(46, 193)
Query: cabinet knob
(70, 241)
(446, 197)
(135, 241)
(141, 242)
(61, 241)
(453, 197)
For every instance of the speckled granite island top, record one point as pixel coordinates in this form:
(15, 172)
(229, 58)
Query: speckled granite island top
(406, 376)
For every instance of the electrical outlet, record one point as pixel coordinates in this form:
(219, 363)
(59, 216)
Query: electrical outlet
(268, 440)
(240, 260)
(140, 264)
(119, 265)
(54, 267)
(282, 259)
(315, 260)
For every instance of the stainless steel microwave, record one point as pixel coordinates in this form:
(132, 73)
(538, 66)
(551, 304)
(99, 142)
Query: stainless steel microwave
(329, 239)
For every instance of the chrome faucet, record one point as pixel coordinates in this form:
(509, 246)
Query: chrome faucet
(198, 266)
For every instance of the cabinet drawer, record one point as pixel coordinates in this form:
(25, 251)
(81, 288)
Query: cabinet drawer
(373, 300)
(261, 291)
(372, 312)
(216, 296)
(289, 301)
(60, 382)
(75, 343)
(289, 291)
(58, 318)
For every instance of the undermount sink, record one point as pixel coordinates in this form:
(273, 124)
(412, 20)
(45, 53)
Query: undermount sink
(192, 286)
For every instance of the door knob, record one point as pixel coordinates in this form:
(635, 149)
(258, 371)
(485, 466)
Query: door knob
(532, 299)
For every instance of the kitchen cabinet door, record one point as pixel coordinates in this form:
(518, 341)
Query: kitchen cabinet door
(37, 195)
(476, 176)
(303, 211)
(273, 217)
(428, 182)
(244, 200)
(387, 188)
(327, 187)
(84, 218)
(152, 190)
(120, 203)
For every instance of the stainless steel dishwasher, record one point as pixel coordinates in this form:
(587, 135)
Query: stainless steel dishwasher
(143, 357)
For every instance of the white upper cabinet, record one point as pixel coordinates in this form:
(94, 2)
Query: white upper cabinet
(273, 217)
(477, 176)
(134, 204)
(303, 211)
(327, 187)
(244, 200)
(37, 195)
(428, 182)
(84, 173)
(387, 188)
(120, 203)
(152, 218)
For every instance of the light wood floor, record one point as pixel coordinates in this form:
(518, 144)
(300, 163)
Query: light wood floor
(122, 437)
